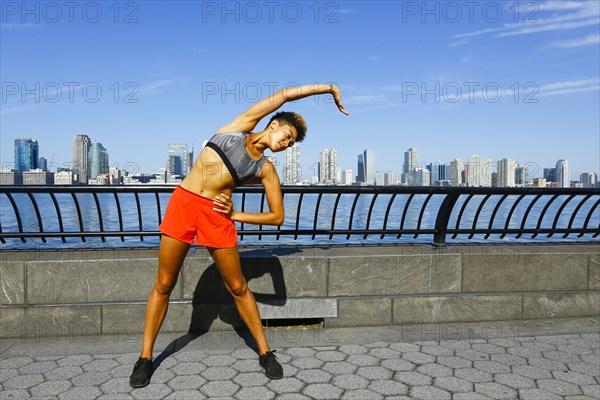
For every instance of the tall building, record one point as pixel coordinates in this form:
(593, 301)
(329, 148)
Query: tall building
(360, 168)
(81, 149)
(347, 177)
(563, 174)
(190, 160)
(26, 154)
(292, 173)
(328, 169)
(418, 177)
(455, 172)
(43, 164)
(506, 172)
(588, 179)
(521, 175)
(411, 162)
(437, 172)
(550, 174)
(386, 178)
(480, 171)
(97, 160)
(178, 159)
(369, 159)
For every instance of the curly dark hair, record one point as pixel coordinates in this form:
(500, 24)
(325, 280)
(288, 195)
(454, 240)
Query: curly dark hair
(293, 119)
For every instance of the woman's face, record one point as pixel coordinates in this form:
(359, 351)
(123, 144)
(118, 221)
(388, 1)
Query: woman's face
(282, 136)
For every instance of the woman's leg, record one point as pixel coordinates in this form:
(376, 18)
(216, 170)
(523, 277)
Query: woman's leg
(228, 263)
(171, 254)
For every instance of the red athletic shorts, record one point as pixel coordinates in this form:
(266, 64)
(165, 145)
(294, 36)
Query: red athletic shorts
(189, 214)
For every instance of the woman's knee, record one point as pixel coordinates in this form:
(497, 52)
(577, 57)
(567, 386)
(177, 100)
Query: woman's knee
(164, 286)
(238, 287)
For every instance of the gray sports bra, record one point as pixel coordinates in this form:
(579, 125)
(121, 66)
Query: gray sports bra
(230, 147)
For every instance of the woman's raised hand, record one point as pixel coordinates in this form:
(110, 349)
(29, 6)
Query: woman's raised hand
(337, 97)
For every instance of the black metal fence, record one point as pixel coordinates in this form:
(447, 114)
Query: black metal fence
(472, 214)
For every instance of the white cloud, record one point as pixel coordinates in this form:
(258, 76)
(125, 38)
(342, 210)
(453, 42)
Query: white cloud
(549, 27)
(459, 43)
(579, 42)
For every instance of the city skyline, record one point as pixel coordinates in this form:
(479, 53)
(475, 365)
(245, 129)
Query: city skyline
(91, 156)
(524, 85)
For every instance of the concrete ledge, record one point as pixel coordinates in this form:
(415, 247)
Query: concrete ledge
(371, 286)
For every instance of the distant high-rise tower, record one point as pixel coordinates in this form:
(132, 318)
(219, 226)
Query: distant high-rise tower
(328, 169)
(437, 172)
(480, 173)
(506, 172)
(521, 175)
(550, 174)
(455, 172)
(81, 149)
(26, 154)
(411, 162)
(369, 160)
(97, 160)
(178, 159)
(43, 164)
(588, 179)
(292, 173)
(347, 177)
(563, 174)
(360, 168)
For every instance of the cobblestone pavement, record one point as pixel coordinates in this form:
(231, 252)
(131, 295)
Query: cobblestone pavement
(540, 367)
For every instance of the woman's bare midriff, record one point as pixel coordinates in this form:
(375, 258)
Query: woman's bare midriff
(209, 176)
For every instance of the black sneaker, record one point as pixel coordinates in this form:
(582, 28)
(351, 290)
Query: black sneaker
(142, 371)
(272, 367)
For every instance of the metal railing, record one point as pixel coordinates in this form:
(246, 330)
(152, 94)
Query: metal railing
(28, 212)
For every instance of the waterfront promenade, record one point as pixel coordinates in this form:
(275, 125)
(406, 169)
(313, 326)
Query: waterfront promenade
(538, 359)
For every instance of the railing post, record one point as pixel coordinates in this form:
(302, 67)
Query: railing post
(441, 221)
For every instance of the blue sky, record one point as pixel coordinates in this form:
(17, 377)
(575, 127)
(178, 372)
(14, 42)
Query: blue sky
(412, 74)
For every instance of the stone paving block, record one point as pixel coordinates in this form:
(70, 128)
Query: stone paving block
(331, 356)
(515, 381)
(538, 394)
(589, 344)
(162, 376)
(591, 359)
(508, 359)
(100, 365)
(119, 396)
(286, 385)
(455, 362)
(488, 348)
(247, 379)
(12, 283)
(523, 352)
(91, 378)
(397, 365)
(352, 349)
(152, 391)
(384, 354)
(574, 377)
(6, 374)
(469, 396)
(492, 367)
(350, 382)
(531, 372)
(116, 385)
(551, 365)
(473, 355)
(558, 387)
(293, 396)
(413, 378)
(496, 391)
(186, 382)
(374, 372)
(388, 388)
(434, 370)
(435, 309)
(361, 394)
(405, 347)
(188, 368)
(534, 344)
(591, 390)
(75, 360)
(80, 393)
(219, 388)
(38, 367)
(544, 272)
(437, 350)
(322, 391)
(23, 382)
(254, 393)
(572, 349)
(453, 384)
(428, 393)
(339, 367)
(362, 360)
(307, 363)
(50, 388)
(301, 352)
(59, 373)
(562, 356)
(585, 368)
(218, 360)
(219, 373)
(473, 375)
(377, 276)
(15, 362)
(186, 395)
(314, 376)
(418, 357)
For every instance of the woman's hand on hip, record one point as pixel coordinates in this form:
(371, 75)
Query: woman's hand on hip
(224, 205)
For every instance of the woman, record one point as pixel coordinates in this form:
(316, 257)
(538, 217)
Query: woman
(200, 208)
